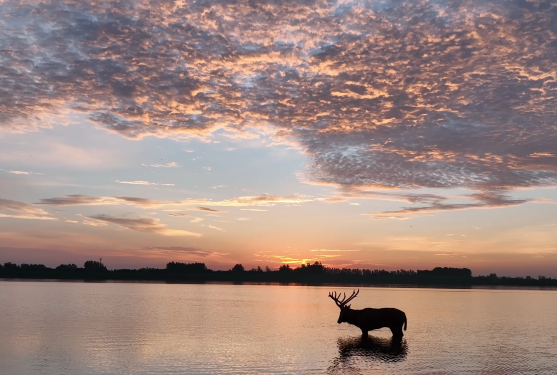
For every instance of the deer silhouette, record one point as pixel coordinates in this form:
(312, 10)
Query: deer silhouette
(369, 319)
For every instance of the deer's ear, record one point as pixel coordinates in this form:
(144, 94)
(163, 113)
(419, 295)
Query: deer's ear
(348, 306)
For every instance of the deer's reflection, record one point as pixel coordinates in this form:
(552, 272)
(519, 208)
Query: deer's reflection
(357, 353)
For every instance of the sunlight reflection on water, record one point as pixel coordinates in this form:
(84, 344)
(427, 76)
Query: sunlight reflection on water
(125, 328)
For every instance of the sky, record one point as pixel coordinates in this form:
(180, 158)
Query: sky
(376, 134)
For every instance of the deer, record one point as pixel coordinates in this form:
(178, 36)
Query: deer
(369, 319)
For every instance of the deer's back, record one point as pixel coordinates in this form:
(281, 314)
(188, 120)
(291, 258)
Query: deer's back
(378, 318)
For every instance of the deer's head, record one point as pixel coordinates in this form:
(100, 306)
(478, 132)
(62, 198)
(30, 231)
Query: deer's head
(343, 304)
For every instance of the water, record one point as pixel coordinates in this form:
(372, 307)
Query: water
(136, 328)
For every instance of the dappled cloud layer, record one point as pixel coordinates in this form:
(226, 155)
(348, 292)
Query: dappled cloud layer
(386, 94)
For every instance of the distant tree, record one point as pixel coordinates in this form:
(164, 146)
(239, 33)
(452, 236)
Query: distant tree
(285, 268)
(149, 269)
(314, 268)
(66, 267)
(176, 267)
(238, 268)
(449, 271)
(11, 266)
(267, 269)
(94, 266)
(33, 267)
(1, 267)
(259, 269)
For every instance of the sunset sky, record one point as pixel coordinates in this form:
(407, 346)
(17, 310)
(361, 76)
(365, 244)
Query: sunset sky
(368, 134)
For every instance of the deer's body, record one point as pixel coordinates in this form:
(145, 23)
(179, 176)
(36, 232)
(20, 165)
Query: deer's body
(369, 319)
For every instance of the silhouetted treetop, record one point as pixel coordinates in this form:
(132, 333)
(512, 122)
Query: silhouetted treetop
(25, 266)
(176, 267)
(315, 268)
(285, 268)
(447, 271)
(67, 267)
(238, 268)
(93, 265)
(11, 266)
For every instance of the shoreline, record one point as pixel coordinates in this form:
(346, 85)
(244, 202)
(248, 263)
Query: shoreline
(310, 274)
(271, 283)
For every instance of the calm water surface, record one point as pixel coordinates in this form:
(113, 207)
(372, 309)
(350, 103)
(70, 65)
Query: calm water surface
(119, 328)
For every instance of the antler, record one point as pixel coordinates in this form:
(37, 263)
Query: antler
(345, 300)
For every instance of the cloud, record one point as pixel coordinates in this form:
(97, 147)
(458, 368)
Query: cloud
(495, 198)
(185, 250)
(73, 200)
(86, 200)
(144, 202)
(431, 202)
(216, 228)
(481, 200)
(30, 217)
(382, 215)
(170, 164)
(206, 209)
(332, 250)
(289, 259)
(149, 225)
(21, 210)
(391, 94)
(142, 183)
(265, 200)
(259, 200)
(20, 207)
(179, 215)
(451, 254)
(334, 200)
(95, 223)
(19, 172)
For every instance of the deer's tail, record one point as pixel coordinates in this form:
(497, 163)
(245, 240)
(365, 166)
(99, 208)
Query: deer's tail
(405, 322)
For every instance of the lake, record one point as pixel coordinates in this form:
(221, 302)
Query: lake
(140, 328)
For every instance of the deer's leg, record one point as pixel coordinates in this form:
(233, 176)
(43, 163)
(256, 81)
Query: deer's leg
(364, 334)
(397, 331)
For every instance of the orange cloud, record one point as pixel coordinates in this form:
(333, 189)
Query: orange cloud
(149, 225)
(21, 210)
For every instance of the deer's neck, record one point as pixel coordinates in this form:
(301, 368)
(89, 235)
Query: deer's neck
(352, 316)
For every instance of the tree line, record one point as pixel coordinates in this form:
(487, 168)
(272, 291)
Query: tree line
(310, 273)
